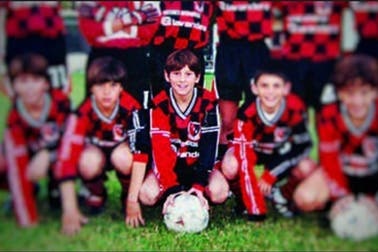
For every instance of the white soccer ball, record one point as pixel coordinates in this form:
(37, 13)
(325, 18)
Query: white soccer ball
(355, 218)
(186, 214)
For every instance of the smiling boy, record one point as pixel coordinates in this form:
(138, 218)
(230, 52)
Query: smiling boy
(271, 131)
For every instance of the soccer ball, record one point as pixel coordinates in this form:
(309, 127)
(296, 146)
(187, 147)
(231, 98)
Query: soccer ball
(186, 214)
(355, 218)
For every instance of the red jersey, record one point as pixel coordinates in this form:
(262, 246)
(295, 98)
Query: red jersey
(96, 17)
(346, 151)
(366, 18)
(25, 136)
(184, 143)
(26, 18)
(312, 29)
(278, 143)
(184, 24)
(89, 125)
(250, 20)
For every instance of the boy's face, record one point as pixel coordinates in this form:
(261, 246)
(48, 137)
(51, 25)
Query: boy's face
(182, 81)
(106, 95)
(357, 99)
(271, 89)
(30, 88)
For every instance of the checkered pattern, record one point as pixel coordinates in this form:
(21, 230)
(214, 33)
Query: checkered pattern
(244, 19)
(34, 18)
(366, 18)
(99, 130)
(312, 29)
(341, 147)
(184, 24)
(34, 137)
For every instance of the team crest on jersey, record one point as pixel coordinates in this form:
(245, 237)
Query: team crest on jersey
(50, 132)
(370, 147)
(118, 132)
(281, 134)
(194, 129)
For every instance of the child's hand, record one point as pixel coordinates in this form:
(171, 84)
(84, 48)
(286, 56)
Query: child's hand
(134, 216)
(265, 187)
(200, 196)
(72, 221)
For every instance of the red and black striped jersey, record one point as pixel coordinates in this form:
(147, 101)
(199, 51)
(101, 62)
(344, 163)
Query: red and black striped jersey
(184, 140)
(25, 18)
(279, 143)
(96, 17)
(184, 24)
(366, 18)
(89, 126)
(312, 29)
(24, 137)
(250, 20)
(346, 150)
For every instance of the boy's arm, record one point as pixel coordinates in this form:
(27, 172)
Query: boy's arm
(246, 156)
(21, 187)
(139, 143)
(71, 216)
(163, 154)
(65, 171)
(208, 146)
(329, 157)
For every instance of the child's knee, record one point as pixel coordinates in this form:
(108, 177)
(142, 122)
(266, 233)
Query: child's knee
(148, 194)
(91, 163)
(229, 166)
(218, 188)
(38, 166)
(122, 159)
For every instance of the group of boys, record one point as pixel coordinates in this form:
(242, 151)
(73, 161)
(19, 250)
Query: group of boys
(172, 145)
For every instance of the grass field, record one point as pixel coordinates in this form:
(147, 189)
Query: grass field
(225, 231)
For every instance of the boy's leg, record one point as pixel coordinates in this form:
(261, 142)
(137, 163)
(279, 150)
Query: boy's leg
(229, 169)
(121, 158)
(150, 191)
(218, 188)
(313, 193)
(91, 167)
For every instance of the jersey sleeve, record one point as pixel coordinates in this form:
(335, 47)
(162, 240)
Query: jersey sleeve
(246, 157)
(70, 148)
(329, 157)
(208, 146)
(21, 187)
(139, 141)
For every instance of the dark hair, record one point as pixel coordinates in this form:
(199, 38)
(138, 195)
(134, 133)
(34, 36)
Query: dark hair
(180, 58)
(105, 69)
(28, 63)
(355, 69)
(271, 67)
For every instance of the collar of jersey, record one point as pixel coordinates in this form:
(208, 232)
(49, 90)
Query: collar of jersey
(100, 115)
(357, 131)
(278, 115)
(183, 114)
(36, 123)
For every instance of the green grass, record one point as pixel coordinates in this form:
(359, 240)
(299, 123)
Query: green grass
(225, 231)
